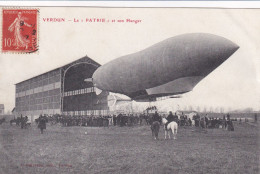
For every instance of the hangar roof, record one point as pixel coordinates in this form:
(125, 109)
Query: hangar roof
(83, 59)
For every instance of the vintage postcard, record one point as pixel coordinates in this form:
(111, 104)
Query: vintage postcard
(129, 90)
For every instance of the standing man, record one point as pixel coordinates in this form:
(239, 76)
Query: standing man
(22, 121)
(175, 118)
(228, 117)
(114, 119)
(206, 121)
(42, 123)
(155, 124)
(120, 120)
(224, 122)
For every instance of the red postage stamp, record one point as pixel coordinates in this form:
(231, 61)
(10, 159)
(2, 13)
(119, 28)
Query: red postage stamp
(20, 30)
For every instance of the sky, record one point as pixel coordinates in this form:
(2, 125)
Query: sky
(235, 84)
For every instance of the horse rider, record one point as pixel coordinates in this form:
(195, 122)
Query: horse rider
(170, 118)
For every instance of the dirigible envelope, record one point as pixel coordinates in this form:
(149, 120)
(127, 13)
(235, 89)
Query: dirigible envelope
(173, 66)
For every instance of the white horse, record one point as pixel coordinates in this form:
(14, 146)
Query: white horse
(173, 126)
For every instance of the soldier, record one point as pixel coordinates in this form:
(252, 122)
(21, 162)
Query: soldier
(190, 122)
(228, 117)
(224, 122)
(119, 120)
(21, 121)
(25, 119)
(175, 118)
(114, 119)
(156, 117)
(206, 121)
(42, 123)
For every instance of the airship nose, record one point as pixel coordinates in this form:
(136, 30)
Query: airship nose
(235, 47)
(209, 52)
(227, 48)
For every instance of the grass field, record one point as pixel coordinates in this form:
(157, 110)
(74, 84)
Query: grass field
(128, 150)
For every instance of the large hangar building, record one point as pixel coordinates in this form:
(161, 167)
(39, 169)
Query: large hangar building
(63, 90)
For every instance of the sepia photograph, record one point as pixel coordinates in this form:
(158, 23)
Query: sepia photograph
(129, 90)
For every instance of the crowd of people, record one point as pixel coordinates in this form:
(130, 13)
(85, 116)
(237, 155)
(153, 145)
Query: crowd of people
(21, 121)
(199, 121)
(226, 122)
(127, 120)
(97, 121)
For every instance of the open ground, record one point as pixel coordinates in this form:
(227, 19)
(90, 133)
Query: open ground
(128, 150)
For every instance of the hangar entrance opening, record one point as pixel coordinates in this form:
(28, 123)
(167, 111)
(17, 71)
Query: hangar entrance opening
(79, 96)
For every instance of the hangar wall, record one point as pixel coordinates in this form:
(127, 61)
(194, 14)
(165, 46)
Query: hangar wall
(62, 91)
(39, 95)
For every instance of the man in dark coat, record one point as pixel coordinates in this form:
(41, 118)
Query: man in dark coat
(230, 126)
(155, 124)
(156, 117)
(228, 117)
(114, 120)
(224, 122)
(206, 121)
(42, 123)
(22, 121)
(175, 118)
(120, 120)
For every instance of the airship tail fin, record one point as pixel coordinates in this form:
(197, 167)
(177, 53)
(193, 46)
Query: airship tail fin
(98, 91)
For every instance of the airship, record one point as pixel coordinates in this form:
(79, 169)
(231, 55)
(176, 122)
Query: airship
(171, 67)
